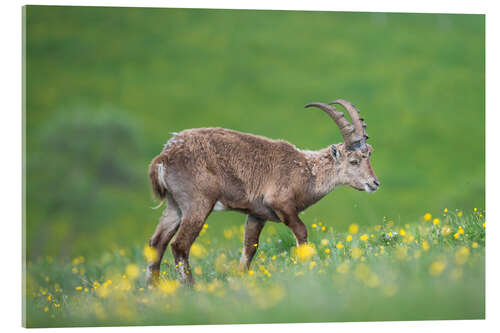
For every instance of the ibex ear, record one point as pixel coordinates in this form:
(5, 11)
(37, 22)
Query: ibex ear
(335, 153)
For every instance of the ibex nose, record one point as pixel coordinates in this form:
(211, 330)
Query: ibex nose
(376, 181)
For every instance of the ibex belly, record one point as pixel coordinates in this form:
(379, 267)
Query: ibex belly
(257, 209)
(219, 207)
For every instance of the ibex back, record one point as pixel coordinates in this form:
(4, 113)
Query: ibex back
(207, 169)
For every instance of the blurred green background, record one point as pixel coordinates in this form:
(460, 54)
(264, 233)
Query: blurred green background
(106, 86)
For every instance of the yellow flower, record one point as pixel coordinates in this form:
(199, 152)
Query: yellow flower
(364, 237)
(150, 253)
(427, 216)
(349, 238)
(362, 272)
(327, 251)
(401, 252)
(198, 250)
(324, 242)
(342, 268)
(446, 230)
(49, 298)
(456, 235)
(125, 285)
(474, 245)
(251, 272)
(312, 264)
(169, 287)
(353, 228)
(323, 228)
(305, 252)
(255, 245)
(402, 232)
(436, 268)
(356, 252)
(390, 290)
(461, 255)
(475, 209)
(46, 309)
(425, 246)
(205, 226)
(484, 225)
(459, 214)
(228, 233)
(132, 271)
(273, 258)
(435, 221)
(446, 210)
(461, 230)
(104, 291)
(340, 245)
(79, 288)
(314, 225)
(372, 281)
(220, 263)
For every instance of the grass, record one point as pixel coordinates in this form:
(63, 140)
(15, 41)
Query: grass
(430, 269)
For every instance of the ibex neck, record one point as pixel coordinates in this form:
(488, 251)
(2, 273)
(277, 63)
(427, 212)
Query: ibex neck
(323, 172)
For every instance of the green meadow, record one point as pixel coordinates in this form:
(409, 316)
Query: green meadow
(106, 87)
(431, 269)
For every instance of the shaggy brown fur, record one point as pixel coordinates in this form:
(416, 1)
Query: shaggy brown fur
(206, 169)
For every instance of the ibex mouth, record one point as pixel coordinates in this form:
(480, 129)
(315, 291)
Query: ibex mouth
(370, 188)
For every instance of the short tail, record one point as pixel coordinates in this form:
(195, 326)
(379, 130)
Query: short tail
(157, 174)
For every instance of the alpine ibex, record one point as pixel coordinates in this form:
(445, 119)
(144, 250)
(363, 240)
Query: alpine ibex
(206, 169)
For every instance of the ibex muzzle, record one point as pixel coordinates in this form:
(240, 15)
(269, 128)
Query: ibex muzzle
(206, 169)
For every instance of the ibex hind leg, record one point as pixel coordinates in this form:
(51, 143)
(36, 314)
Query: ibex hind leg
(193, 218)
(166, 229)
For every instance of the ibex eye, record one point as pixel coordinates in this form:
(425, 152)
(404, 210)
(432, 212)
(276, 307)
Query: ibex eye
(354, 162)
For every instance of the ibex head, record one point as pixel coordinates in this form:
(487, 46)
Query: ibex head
(352, 158)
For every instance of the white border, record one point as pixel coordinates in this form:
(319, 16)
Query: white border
(10, 121)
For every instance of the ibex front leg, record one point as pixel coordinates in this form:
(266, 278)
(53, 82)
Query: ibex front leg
(253, 227)
(291, 219)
